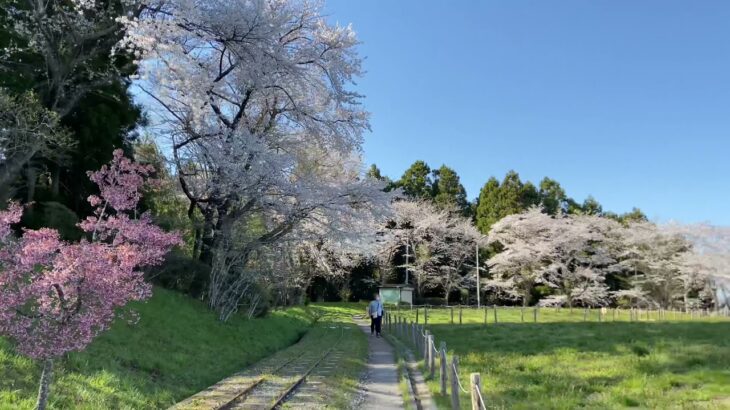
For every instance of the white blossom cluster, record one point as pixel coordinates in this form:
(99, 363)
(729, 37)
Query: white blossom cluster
(441, 245)
(574, 254)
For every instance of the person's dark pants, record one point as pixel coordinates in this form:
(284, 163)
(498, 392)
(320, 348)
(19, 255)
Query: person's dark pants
(375, 322)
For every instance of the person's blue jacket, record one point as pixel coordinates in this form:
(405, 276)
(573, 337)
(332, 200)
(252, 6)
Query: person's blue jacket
(375, 308)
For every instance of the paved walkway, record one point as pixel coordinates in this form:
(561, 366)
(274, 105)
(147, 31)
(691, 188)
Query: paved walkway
(380, 386)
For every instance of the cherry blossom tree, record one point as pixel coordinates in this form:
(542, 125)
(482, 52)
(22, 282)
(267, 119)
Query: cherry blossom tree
(58, 296)
(441, 241)
(571, 254)
(521, 264)
(653, 260)
(584, 249)
(708, 263)
(260, 121)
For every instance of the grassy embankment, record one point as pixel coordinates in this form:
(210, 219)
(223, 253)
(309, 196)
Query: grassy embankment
(177, 348)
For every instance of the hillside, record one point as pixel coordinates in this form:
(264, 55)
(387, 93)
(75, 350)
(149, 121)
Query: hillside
(176, 349)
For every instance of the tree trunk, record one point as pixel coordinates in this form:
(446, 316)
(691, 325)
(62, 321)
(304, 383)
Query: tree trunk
(56, 181)
(12, 167)
(45, 384)
(207, 239)
(31, 176)
(197, 243)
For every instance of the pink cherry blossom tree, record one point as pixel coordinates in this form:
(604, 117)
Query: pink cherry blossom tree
(58, 296)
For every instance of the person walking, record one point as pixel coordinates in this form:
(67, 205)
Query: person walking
(375, 311)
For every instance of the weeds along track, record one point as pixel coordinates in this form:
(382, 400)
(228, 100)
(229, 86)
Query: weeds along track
(280, 382)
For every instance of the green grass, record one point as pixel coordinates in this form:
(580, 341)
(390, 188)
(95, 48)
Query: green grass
(343, 381)
(399, 349)
(559, 364)
(177, 348)
(472, 315)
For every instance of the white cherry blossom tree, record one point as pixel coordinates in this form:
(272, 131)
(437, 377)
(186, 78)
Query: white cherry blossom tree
(262, 125)
(442, 244)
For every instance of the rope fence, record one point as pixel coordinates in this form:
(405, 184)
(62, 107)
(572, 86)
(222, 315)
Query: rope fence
(455, 314)
(422, 340)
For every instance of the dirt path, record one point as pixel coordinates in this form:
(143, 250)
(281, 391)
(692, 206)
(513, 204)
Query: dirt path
(380, 389)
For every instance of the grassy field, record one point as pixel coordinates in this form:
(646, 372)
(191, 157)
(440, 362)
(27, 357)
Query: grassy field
(562, 362)
(177, 348)
(471, 315)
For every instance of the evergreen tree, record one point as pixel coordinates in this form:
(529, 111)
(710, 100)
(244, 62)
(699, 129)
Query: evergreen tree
(416, 181)
(552, 196)
(374, 172)
(591, 206)
(449, 193)
(529, 196)
(486, 210)
(511, 195)
(635, 215)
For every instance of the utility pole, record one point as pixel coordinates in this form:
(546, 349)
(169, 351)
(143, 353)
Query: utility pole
(478, 301)
(407, 266)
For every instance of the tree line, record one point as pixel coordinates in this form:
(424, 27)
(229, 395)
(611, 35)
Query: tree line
(542, 247)
(497, 199)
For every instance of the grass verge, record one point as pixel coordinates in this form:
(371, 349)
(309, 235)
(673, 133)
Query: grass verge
(340, 384)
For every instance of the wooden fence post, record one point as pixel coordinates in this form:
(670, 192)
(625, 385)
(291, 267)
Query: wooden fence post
(485, 315)
(534, 314)
(495, 314)
(431, 357)
(476, 387)
(585, 314)
(416, 315)
(414, 338)
(451, 309)
(425, 315)
(454, 372)
(442, 366)
(522, 314)
(459, 314)
(426, 347)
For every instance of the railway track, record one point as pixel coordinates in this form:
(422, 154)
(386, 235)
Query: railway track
(292, 381)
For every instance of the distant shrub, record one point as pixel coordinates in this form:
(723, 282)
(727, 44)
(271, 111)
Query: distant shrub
(182, 273)
(431, 301)
(53, 215)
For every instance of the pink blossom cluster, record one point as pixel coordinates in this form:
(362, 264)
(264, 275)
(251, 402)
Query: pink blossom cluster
(120, 183)
(56, 296)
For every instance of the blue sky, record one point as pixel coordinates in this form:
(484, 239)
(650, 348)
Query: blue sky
(628, 101)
